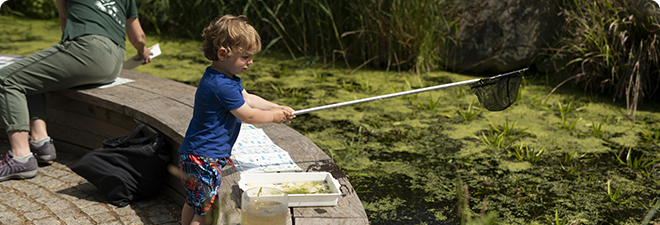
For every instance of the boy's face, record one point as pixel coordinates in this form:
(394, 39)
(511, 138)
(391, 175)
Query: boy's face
(237, 63)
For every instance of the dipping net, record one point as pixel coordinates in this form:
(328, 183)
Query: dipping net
(499, 92)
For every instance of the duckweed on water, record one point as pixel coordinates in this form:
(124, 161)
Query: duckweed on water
(297, 187)
(415, 164)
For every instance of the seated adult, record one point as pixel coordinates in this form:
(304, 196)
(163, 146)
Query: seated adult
(91, 51)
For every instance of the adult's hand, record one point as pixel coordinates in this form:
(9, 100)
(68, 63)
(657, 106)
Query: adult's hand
(138, 39)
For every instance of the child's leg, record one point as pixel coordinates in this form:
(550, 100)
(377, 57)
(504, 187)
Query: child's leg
(201, 178)
(198, 220)
(187, 214)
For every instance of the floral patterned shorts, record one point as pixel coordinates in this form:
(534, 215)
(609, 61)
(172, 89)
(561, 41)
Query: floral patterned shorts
(201, 177)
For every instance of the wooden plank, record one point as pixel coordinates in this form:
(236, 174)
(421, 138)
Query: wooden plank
(60, 102)
(173, 190)
(81, 123)
(162, 113)
(331, 221)
(84, 139)
(176, 91)
(171, 118)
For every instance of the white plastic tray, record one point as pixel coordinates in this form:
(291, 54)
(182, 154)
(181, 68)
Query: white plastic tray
(297, 200)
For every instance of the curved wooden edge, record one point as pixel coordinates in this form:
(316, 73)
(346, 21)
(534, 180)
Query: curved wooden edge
(80, 119)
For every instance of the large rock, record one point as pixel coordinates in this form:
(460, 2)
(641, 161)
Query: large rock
(498, 36)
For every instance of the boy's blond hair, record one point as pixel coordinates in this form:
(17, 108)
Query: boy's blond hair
(231, 32)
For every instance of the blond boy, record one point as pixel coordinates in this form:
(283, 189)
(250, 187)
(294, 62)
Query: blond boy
(221, 105)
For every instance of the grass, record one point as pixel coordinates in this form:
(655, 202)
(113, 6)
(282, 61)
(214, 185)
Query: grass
(406, 163)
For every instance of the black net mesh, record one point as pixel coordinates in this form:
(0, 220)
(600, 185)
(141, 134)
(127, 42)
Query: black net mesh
(499, 92)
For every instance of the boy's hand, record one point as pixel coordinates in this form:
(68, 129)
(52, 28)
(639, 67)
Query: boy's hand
(278, 115)
(281, 114)
(288, 112)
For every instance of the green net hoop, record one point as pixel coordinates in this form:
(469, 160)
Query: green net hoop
(499, 92)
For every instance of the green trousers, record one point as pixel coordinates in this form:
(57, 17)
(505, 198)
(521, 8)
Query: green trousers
(90, 59)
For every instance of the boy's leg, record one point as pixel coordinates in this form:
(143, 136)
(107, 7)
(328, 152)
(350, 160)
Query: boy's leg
(201, 178)
(187, 214)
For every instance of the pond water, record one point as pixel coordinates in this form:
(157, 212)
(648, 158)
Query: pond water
(438, 157)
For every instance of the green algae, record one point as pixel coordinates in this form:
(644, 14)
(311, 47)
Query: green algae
(405, 159)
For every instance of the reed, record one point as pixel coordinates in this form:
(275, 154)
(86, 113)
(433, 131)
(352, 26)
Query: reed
(382, 33)
(611, 47)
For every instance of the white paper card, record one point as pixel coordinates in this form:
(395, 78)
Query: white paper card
(130, 64)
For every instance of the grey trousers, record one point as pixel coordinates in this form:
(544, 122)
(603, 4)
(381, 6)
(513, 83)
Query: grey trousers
(90, 59)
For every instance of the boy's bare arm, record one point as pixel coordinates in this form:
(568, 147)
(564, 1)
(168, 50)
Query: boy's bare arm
(258, 102)
(251, 115)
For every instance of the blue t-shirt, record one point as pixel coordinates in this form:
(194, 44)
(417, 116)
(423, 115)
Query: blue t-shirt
(213, 129)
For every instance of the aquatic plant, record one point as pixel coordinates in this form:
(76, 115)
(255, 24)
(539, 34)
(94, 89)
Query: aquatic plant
(530, 154)
(597, 129)
(640, 163)
(460, 92)
(469, 113)
(364, 85)
(563, 110)
(570, 163)
(614, 196)
(651, 133)
(493, 140)
(432, 103)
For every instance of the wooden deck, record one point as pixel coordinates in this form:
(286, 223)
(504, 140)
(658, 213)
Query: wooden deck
(79, 120)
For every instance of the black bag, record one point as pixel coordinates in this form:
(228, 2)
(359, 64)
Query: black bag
(127, 168)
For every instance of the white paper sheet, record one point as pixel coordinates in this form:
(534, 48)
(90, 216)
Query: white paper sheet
(5, 60)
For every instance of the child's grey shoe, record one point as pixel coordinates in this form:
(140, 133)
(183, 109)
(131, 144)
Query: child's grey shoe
(10, 168)
(44, 150)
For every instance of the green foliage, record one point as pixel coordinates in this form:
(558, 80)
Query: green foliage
(611, 46)
(384, 33)
(185, 18)
(39, 9)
